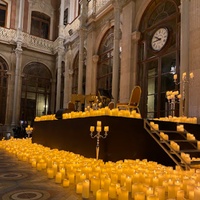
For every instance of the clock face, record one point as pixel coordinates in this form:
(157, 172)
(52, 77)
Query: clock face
(159, 39)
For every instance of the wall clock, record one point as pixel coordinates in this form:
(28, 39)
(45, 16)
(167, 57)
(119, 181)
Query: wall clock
(159, 38)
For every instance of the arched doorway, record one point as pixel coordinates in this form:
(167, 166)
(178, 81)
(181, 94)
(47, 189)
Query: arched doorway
(36, 92)
(3, 89)
(158, 55)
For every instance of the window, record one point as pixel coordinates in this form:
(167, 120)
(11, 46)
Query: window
(2, 14)
(36, 92)
(105, 64)
(157, 67)
(66, 13)
(40, 25)
(75, 76)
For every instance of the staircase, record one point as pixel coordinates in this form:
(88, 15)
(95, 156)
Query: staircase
(179, 138)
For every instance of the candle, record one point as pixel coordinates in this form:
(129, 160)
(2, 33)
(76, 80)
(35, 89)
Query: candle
(175, 76)
(180, 195)
(79, 188)
(98, 128)
(106, 128)
(101, 194)
(50, 173)
(91, 128)
(58, 178)
(128, 183)
(112, 191)
(139, 196)
(184, 75)
(86, 189)
(123, 195)
(197, 193)
(191, 75)
(65, 183)
(71, 177)
(98, 123)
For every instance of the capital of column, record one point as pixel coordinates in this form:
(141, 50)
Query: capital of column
(136, 36)
(95, 58)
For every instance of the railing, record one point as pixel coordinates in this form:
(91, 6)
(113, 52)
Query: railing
(29, 41)
(165, 145)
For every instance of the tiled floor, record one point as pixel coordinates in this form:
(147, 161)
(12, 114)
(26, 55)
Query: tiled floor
(19, 181)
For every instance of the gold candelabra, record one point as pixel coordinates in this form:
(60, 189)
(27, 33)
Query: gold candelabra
(185, 80)
(98, 135)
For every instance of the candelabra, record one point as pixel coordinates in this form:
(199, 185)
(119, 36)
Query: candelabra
(173, 97)
(29, 130)
(98, 135)
(185, 80)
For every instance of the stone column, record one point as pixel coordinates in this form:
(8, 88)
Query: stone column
(17, 87)
(95, 59)
(58, 87)
(116, 50)
(83, 17)
(17, 80)
(61, 19)
(184, 54)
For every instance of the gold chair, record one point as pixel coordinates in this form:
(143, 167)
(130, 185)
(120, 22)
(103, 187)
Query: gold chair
(71, 106)
(134, 100)
(77, 99)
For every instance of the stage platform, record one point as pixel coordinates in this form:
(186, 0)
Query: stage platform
(127, 138)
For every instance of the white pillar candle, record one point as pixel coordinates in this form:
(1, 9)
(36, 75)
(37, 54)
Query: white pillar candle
(139, 196)
(79, 188)
(180, 195)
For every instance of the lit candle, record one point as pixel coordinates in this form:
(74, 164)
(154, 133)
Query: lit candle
(98, 128)
(65, 183)
(98, 123)
(175, 76)
(106, 128)
(91, 128)
(191, 75)
(71, 177)
(123, 195)
(58, 178)
(79, 188)
(112, 191)
(184, 75)
(86, 189)
(50, 173)
(197, 193)
(139, 196)
(180, 195)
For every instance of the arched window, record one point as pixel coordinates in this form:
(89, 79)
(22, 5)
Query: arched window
(36, 91)
(40, 25)
(105, 63)
(3, 90)
(75, 75)
(158, 56)
(3, 8)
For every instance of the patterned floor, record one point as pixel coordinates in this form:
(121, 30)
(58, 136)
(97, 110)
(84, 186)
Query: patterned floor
(19, 181)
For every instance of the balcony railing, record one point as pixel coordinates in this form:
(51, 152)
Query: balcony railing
(9, 36)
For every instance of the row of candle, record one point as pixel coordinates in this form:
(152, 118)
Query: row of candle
(184, 75)
(91, 112)
(183, 119)
(99, 127)
(173, 94)
(138, 179)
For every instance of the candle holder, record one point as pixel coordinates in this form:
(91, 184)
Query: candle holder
(29, 130)
(185, 81)
(173, 97)
(98, 135)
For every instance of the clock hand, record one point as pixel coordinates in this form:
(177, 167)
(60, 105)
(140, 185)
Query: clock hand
(156, 40)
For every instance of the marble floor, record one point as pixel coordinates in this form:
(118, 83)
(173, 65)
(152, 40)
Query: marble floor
(20, 181)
